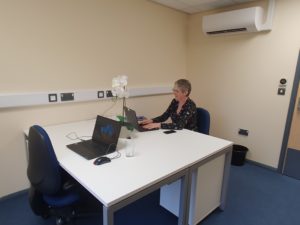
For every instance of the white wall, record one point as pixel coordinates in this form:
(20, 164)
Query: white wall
(236, 78)
(78, 44)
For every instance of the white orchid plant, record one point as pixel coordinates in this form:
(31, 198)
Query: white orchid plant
(119, 86)
(119, 90)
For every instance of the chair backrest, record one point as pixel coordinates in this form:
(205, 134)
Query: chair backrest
(43, 171)
(203, 121)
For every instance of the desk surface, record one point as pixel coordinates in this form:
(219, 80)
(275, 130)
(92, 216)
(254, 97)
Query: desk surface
(157, 156)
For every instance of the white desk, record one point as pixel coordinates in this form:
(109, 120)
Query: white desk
(159, 160)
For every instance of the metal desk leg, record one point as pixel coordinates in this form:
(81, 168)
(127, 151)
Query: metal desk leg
(108, 216)
(226, 177)
(185, 193)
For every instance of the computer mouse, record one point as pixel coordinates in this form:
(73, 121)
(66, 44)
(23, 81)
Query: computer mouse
(101, 160)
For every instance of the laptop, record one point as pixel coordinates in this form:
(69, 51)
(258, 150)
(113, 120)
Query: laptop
(132, 119)
(104, 140)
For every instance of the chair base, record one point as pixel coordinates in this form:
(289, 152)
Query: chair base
(64, 216)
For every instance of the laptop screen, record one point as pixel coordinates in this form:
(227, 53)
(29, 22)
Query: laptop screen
(106, 131)
(131, 117)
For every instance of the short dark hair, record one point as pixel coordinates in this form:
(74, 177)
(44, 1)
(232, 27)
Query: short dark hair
(184, 85)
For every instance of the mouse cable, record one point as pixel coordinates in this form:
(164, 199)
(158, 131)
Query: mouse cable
(117, 151)
(118, 155)
(73, 136)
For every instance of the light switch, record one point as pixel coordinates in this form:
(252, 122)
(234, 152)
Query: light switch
(52, 97)
(100, 94)
(281, 91)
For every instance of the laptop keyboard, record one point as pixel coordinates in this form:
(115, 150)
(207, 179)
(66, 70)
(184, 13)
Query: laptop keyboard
(92, 145)
(89, 149)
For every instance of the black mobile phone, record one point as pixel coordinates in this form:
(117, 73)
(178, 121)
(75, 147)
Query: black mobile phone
(169, 131)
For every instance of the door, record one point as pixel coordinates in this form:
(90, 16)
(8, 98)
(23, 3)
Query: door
(292, 157)
(289, 161)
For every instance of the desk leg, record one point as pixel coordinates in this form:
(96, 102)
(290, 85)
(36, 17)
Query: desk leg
(185, 193)
(108, 216)
(225, 178)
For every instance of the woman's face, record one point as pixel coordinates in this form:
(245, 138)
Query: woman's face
(179, 94)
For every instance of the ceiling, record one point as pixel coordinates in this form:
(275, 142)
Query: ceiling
(195, 6)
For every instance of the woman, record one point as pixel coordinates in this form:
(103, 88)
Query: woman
(182, 110)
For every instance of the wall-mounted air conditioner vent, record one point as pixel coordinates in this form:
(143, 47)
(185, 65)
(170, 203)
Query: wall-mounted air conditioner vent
(227, 31)
(238, 21)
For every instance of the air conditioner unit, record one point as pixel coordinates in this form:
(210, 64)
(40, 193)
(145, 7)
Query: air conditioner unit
(238, 21)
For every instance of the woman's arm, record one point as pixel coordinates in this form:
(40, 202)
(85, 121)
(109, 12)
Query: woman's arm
(166, 114)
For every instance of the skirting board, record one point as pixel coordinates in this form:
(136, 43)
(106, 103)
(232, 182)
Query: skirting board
(42, 98)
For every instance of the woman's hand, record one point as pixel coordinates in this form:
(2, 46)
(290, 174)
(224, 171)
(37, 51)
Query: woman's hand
(146, 121)
(152, 125)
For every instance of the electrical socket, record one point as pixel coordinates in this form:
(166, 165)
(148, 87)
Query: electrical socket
(109, 94)
(67, 96)
(243, 132)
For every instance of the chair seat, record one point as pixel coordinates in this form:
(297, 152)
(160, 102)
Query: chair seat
(61, 200)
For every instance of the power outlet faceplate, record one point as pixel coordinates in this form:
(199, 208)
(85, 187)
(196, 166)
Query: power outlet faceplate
(243, 132)
(67, 96)
(109, 94)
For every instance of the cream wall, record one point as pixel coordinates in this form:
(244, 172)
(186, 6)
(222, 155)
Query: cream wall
(236, 79)
(75, 45)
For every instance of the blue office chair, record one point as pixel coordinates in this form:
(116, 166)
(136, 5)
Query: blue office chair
(52, 191)
(203, 121)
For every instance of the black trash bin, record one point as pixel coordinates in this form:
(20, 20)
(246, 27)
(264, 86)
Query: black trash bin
(238, 155)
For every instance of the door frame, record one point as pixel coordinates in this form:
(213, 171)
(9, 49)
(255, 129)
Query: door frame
(289, 119)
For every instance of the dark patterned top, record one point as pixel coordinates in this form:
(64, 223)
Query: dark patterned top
(187, 117)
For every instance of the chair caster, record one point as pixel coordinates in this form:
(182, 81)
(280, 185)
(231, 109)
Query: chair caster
(59, 221)
(73, 213)
(65, 220)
